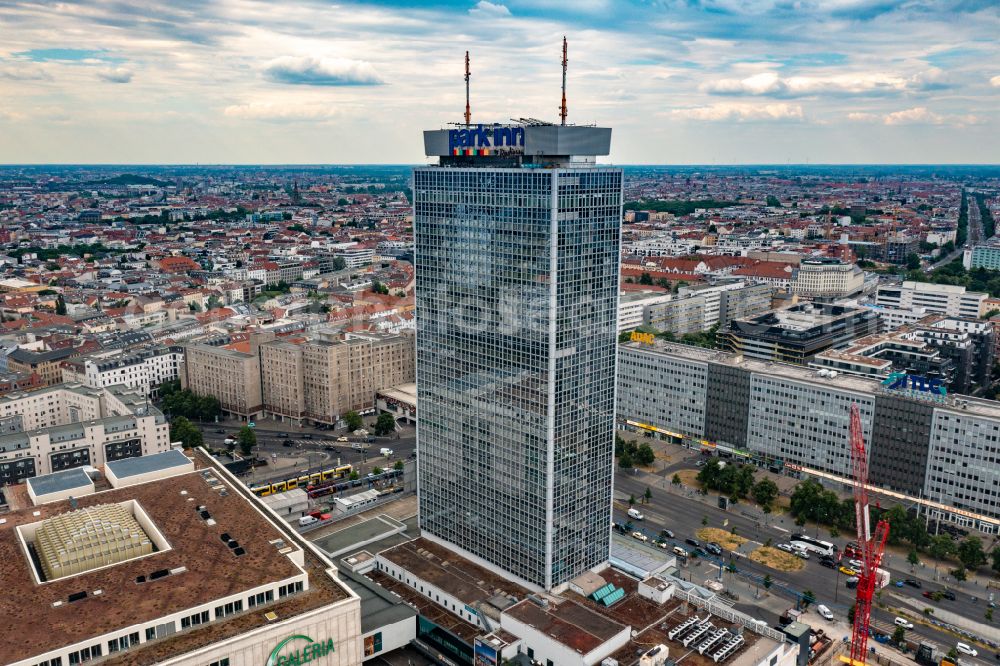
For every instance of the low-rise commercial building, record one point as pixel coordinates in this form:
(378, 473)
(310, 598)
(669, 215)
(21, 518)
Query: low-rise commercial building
(921, 443)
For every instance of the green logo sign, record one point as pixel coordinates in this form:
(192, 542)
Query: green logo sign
(309, 650)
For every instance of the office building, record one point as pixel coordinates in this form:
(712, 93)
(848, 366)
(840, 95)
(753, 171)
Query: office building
(824, 277)
(797, 333)
(694, 308)
(517, 269)
(69, 425)
(982, 256)
(897, 247)
(169, 560)
(920, 442)
(946, 299)
(47, 364)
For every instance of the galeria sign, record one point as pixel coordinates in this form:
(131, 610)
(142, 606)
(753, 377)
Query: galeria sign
(305, 651)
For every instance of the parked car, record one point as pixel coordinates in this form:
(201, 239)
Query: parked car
(903, 622)
(785, 547)
(713, 548)
(801, 553)
(700, 462)
(966, 649)
(692, 542)
(913, 582)
(640, 536)
(342, 439)
(948, 594)
(667, 534)
(855, 564)
(828, 563)
(824, 612)
(847, 571)
(927, 594)
(699, 552)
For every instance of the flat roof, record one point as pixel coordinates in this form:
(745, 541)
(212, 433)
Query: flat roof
(59, 482)
(452, 573)
(144, 464)
(567, 622)
(212, 571)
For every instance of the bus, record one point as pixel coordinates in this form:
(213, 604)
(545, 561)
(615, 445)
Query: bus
(813, 545)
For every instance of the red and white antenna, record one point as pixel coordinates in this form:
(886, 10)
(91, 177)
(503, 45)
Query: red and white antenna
(562, 109)
(468, 111)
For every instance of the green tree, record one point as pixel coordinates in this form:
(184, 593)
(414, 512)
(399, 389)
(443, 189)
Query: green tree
(354, 475)
(773, 201)
(768, 582)
(677, 481)
(971, 554)
(648, 495)
(353, 421)
(194, 306)
(60, 305)
(899, 636)
(913, 261)
(765, 492)
(645, 455)
(704, 521)
(185, 432)
(631, 500)
(398, 465)
(377, 471)
(214, 302)
(385, 424)
(645, 278)
(959, 574)
(247, 439)
(913, 558)
(989, 614)
(625, 460)
(808, 597)
(995, 556)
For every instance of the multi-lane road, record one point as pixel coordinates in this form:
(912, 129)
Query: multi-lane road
(683, 512)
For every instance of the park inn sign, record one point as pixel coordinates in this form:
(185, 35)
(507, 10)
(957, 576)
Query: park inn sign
(305, 651)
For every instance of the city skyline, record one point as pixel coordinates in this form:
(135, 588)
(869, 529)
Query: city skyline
(682, 83)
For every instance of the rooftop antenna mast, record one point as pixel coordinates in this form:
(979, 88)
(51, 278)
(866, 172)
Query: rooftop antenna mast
(468, 111)
(562, 109)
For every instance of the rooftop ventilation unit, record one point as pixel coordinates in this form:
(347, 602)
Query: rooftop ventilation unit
(728, 650)
(698, 634)
(713, 641)
(682, 628)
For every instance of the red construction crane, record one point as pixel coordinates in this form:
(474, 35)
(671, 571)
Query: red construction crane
(872, 545)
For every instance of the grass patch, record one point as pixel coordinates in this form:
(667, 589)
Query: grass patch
(777, 559)
(725, 539)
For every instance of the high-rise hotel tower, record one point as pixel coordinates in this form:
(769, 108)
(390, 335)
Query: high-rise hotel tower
(518, 238)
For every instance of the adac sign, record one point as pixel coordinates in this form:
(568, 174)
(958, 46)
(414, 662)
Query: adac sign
(914, 384)
(486, 140)
(297, 650)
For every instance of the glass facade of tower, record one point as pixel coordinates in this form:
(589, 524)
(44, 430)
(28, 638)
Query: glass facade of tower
(517, 298)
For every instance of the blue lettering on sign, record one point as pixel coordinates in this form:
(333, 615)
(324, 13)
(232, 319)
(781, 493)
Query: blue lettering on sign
(486, 136)
(901, 380)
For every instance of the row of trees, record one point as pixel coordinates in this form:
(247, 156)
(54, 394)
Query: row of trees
(182, 402)
(810, 501)
(737, 482)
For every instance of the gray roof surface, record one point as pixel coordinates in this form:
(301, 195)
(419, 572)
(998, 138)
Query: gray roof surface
(59, 481)
(379, 607)
(145, 464)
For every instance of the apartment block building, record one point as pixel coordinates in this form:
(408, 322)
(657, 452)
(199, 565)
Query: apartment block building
(946, 299)
(694, 309)
(144, 369)
(921, 443)
(231, 376)
(319, 379)
(71, 425)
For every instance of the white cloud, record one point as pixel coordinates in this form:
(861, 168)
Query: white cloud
(740, 112)
(487, 8)
(918, 115)
(20, 71)
(115, 75)
(995, 82)
(322, 71)
(855, 83)
(285, 112)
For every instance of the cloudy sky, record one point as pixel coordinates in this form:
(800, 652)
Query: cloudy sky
(680, 81)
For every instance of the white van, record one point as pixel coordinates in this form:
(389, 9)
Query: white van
(385, 452)
(635, 513)
(903, 622)
(679, 552)
(824, 612)
(307, 520)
